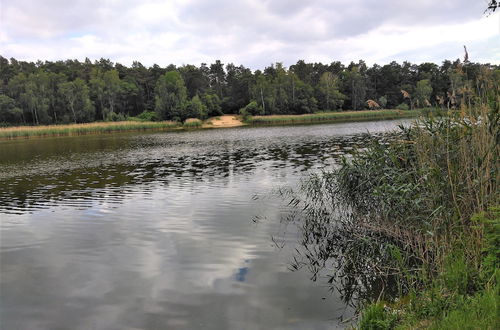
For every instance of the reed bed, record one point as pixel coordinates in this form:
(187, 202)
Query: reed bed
(192, 123)
(411, 223)
(80, 129)
(331, 116)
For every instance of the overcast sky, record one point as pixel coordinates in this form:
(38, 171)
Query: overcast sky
(254, 33)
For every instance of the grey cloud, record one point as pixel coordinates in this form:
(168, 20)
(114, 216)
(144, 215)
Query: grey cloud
(251, 32)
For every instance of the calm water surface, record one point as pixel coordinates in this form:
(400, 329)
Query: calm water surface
(162, 230)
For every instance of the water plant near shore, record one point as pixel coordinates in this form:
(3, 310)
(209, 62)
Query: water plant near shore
(330, 116)
(79, 129)
(397, 220)
(192, 123)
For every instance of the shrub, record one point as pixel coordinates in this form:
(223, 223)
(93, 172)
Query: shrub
(252, 109)
(245, 116)
(192, 123)
(403, 106)
(147, 116)
(382, 101)
(113, 116)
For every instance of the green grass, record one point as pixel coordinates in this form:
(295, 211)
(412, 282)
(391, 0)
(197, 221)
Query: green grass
(478, 311)
(79, 129)
(462, 296)
(331, 116)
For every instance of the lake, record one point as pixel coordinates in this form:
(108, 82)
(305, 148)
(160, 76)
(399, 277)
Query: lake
(170, 230)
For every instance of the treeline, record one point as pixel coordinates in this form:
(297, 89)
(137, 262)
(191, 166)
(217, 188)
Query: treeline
(73, 91)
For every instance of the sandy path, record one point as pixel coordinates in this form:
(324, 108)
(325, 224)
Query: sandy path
(225, 121)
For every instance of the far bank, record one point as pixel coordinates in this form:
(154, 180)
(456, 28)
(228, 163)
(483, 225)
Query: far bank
(224, 121)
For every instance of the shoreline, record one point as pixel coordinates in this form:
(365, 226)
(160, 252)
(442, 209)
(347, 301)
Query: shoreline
(223, 121)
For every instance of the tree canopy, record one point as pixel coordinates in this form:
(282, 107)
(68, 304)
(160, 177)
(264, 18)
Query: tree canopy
(73, 91)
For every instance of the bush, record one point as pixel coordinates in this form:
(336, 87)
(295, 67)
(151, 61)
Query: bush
(403, 106)
(245, 116)
(382, 101)
(113, 116)
(196, 109)
(192, 123)
(147, 116)
(252, 109)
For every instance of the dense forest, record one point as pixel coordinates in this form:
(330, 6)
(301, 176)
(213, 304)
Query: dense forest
(73, 91)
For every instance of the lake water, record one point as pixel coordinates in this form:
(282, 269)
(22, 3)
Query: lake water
(171, 230)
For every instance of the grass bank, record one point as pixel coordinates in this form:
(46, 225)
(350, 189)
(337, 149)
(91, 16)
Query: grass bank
(464, 294)
(331, 117)
(80, 129)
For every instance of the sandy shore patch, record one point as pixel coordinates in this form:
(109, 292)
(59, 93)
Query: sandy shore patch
(225, 121)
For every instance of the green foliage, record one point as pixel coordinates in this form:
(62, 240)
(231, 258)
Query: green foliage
(212, 103)
(88, 128)
(489, 222)
(76, 95)
(303, 88)
(171, 96)
(356, 84)
(329, 86)
(423, 92)
(329, 117)
(477, 312)
(196, 109)
(456, 275)
(403, 106)
(112, 85)
(382, 101)
(450, 301)
(192, 123)
(245, 116)
(145, 116)
(376, 317)
(252, 109)
(8, 110)
(397, 215)
(113, 116)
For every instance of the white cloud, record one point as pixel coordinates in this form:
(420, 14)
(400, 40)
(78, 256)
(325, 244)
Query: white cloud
(251, 32)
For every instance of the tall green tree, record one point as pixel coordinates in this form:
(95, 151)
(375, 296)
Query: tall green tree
(329, 84)
(423, 93)
(35, 97)
(129, 97)
(9, 113)
(170, 96)
(97, 87)
(76, 95)
(112, 88)
(356, 85)
(218, 78)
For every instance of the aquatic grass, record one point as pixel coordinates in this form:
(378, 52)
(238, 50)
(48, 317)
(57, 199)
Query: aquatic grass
(86, 128)
(414, 217)
(192, 123)
(331, 116)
